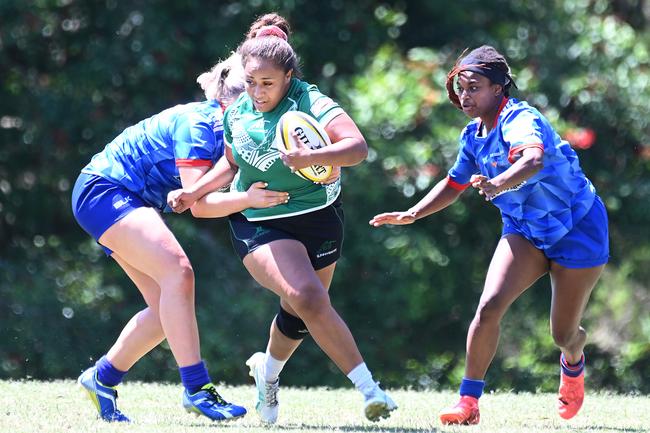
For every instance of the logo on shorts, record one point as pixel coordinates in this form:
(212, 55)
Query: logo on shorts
(259, 231)
(122, 202)
(328, 247)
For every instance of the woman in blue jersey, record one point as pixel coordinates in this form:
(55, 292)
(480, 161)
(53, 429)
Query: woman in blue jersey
(553, 222)
(118, 198)
(293, 248)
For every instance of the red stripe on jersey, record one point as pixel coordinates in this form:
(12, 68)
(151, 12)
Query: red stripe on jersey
(503, 104)
(517, 149)
(455, 185)
(193, 163)
(496, 118)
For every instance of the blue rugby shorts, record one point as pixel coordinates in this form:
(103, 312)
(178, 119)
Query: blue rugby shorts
(586, 245)
(98, 203)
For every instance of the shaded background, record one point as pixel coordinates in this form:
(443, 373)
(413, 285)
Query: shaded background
(75, 73)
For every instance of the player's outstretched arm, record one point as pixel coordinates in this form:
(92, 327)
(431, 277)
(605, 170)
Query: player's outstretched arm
(440, 196)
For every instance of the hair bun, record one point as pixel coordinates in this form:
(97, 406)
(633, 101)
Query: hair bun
(271, 31)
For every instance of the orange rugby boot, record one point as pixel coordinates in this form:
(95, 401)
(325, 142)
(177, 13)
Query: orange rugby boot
(465, 412)
(571, 394)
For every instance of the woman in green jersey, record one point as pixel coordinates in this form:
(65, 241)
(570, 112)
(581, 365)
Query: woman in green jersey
(291, 249)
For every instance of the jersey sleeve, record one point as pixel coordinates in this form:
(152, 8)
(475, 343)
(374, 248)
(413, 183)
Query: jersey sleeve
(465, 167)
(196, 144)
(319, 106)
(522, 130)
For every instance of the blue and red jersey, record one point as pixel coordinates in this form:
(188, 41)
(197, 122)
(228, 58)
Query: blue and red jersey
(547, 205)
(145, 157)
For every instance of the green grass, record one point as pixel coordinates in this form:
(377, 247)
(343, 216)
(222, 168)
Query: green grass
(56, 407)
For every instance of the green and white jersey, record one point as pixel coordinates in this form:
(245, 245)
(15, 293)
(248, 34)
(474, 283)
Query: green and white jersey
(251, 134)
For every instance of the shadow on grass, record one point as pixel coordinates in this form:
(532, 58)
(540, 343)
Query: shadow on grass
(328, 428)
(366, 428)
(603, 428)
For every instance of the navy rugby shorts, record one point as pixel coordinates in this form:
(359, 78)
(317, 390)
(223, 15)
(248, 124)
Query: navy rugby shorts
(321, 232)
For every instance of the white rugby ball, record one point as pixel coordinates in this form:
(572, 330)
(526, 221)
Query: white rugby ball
(310, 133)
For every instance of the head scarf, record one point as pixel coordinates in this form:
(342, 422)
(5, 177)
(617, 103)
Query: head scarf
(490, 70)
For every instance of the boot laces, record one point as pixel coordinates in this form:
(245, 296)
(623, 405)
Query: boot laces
(271, 393)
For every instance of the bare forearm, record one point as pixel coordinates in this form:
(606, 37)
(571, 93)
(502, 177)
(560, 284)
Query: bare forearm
(440, 196)
(523, 169)
(212, 181)
(344, 153)
(220, 204)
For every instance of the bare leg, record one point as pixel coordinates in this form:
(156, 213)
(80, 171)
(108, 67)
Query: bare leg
(142, 240)
(280, 346)
(515, 266)
(284, 267)
(143, 332)
(571, 291)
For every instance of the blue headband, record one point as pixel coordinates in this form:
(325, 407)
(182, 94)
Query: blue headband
(488, 70)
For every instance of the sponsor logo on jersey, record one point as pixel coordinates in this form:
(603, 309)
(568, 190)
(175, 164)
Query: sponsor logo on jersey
(496, 159)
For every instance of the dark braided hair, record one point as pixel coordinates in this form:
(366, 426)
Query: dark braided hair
(270, 19)
(268, 39)
(484, 60)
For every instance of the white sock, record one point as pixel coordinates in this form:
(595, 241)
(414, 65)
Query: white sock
(362, 378)
(272, 367)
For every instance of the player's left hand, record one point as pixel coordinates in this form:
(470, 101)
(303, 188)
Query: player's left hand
(484, 186)
(298, 157)
(394, 218)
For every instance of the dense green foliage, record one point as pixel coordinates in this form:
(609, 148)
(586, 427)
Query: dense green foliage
(75, 73)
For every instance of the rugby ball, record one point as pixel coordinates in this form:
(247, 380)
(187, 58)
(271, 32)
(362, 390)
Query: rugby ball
(310, 133)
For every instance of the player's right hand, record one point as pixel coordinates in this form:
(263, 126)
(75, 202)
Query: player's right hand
(394, 218)
(259, 197)
(180, 200)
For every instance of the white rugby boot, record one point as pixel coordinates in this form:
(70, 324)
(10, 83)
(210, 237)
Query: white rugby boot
(267, 406)
(378, 404)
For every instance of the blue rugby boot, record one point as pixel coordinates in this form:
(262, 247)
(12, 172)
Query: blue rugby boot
(208, 402)
(102, 396)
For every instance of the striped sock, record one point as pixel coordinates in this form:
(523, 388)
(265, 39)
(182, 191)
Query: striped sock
(572, 370)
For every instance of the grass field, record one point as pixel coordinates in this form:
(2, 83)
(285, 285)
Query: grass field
(56, 407)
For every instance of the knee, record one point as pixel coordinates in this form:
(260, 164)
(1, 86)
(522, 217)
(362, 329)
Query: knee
(310, 300)
(180, 279)
(291, 326)
(149, 321)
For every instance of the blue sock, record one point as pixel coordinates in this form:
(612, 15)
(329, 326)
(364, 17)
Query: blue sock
(471, 387)
(194, 377)
(572, 370)
(107, 374)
